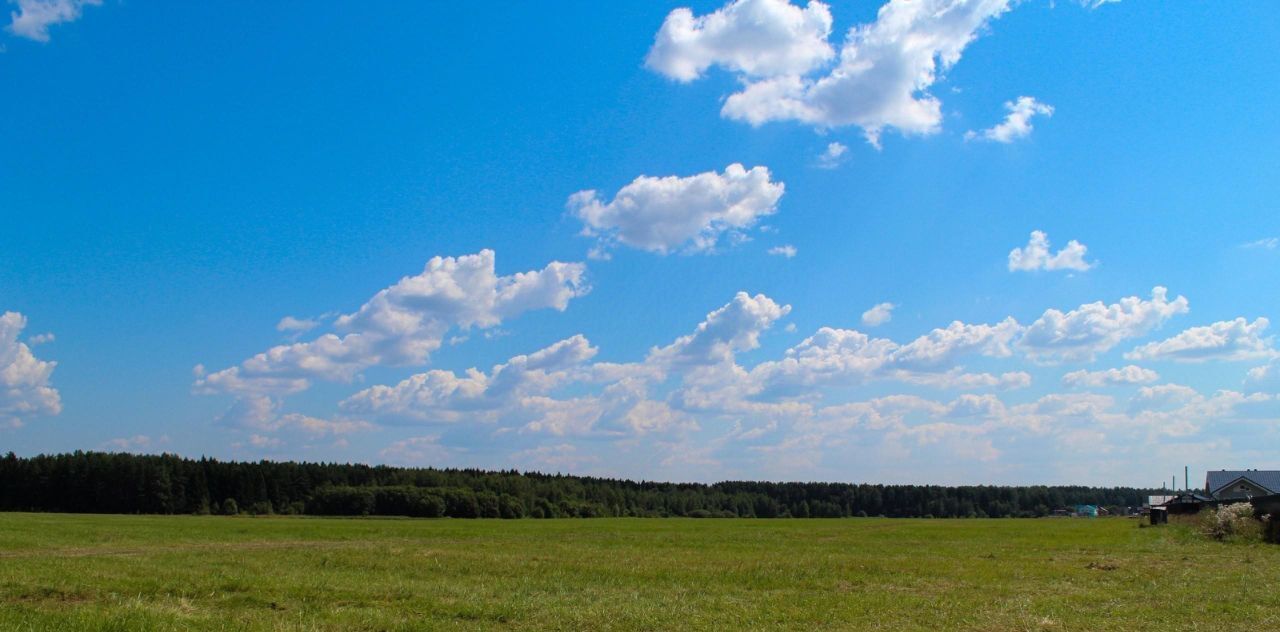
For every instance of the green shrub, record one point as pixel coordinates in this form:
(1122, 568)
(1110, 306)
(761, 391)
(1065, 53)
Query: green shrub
(489, 505)
(342, 501)
(510, 507)
(461, 503)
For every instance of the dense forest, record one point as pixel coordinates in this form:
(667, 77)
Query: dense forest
(98, 482)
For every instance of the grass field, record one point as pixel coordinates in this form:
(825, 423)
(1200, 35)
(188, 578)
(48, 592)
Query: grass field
(61, 572)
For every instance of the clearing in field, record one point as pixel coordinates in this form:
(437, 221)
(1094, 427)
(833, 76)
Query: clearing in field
(60, 572)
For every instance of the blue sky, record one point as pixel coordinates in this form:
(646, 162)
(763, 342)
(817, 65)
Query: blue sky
(600, 183)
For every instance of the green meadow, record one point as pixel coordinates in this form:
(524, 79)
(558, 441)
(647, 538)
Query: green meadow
(83, 572)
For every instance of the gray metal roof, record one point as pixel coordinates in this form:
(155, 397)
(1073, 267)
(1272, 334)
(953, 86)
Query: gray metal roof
(1217, 479)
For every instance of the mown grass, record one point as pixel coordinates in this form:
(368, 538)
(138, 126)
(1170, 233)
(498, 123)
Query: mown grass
(76, 572)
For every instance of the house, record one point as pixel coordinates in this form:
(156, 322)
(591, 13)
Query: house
(1241, 484)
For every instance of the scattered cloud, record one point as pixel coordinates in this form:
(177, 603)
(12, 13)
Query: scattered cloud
(1265, 378)
(25, 388)
(832, 156)
(1224, 340)
(790, 410)
(1094, 328)
(419, 451)
(1162, 397)
(40, 339)
(315, 427)
(34, 17)
(878, 315)
(1016, 124)
(399, 326)
(1131, 374)
(403, 324)
(758, 38)
(261, 442)
(445, 397)
(733, 328)
(880, 79)
(689, 214)
(261, 415)
(845, 357)
(1036, 256)
(289, 324)
(786, 250)
(561, 457)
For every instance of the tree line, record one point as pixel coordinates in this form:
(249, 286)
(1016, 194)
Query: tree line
(101, 482)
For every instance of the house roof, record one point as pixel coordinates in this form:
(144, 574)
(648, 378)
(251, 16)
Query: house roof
(1215, 480)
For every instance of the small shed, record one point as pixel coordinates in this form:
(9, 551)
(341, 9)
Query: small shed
(1159, 515)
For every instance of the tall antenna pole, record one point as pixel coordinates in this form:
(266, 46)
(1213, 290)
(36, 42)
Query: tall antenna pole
(1186, 476)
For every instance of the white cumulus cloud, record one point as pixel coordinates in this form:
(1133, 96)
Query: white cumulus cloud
(1265, 378)
(443, 396)
(1037, 255)
(732, 328)
(848, 357)
(753, 37)
(786, 250)
(878, 314)
(1094, 328)
(881, 78)
(403, 324)
(1131, 374)
(25, 388)
(418, 451)
(1016, 124)
(1236, 339)
(1162, 397)
(666, 214)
